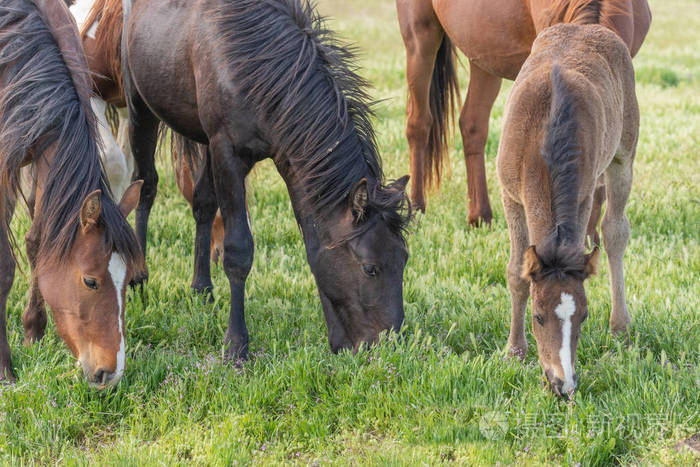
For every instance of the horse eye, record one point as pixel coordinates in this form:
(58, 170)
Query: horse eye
(539, 319)
(369, 269)
(90, 283)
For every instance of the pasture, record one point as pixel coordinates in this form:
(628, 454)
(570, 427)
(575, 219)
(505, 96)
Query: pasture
(443, 393)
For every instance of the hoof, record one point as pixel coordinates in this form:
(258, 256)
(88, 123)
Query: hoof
(517, 351)
(6, 376)
(480, 220)
(206, 291)
(32, 337)
(620, 328)
(139, 280)
(236, 351)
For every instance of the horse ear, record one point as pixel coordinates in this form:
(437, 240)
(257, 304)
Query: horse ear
(359, 197)
(401, 183)
(591, 262)
(532, 264)
(130, 198)
(90, 210)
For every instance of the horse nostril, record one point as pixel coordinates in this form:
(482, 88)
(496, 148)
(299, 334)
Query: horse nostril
(555, 385)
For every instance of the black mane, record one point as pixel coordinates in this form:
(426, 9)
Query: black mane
(560, 250)
(303, 82)
(41, 107)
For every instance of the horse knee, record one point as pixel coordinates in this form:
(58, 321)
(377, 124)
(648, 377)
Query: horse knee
(616, 231)
(473, 135)
(516, 283)
(238, 258)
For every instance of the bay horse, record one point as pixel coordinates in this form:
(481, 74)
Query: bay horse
(254, 79)
(81, 250)
(571, 118)
(101, 36)
(496, 36)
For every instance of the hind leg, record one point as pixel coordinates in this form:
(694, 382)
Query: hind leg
(596, 211)
(204, 208)
(112, 157)
(422, 36)
(7, 277)
(519, 287)
(143, 138)
(474, 125)
(616, 230)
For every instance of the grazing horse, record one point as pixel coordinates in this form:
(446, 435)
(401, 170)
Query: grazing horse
(263, 78)
(571, 118)
(101, 35)
(496, 36)
(81, 250)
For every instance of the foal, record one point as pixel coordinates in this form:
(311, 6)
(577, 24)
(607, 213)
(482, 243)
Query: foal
(571, 117)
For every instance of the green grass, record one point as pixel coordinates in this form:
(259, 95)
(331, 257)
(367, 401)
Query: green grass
(445, 393)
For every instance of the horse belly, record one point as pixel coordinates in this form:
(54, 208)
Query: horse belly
(496, 35)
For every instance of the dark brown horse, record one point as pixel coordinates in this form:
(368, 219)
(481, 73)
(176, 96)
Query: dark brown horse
(81, 250)
(496, 36)
(571, 118)
(263, 78)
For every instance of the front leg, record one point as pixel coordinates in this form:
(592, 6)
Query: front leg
(143, 136)
(229, 172)
(7, 277)
(34, 316)
(519, 287)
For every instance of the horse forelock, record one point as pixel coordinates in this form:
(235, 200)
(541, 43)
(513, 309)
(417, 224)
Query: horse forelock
(310, 98)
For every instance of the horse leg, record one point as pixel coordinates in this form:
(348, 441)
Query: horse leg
(143, 138)
(422, 35)
(34, 316)
(616, 231)
(596, 212)
(112, 157)
(123, 139)
(7, 278)
(204, 208)
(519, 287)
(474, 126)
(229, 172)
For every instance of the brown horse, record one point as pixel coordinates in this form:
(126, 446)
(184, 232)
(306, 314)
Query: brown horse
(101, 36)
(81, 250)
(571, 118)
(496, 36)
(263, 78)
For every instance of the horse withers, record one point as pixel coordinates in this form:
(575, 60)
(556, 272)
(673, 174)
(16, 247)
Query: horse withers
(254, 79)
(571, 117)
(81, 250)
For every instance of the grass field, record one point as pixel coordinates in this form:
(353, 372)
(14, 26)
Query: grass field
(443, 394)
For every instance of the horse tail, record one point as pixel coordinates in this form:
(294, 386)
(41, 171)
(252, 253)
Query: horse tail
(444, 90)
(187, 157)
(561, 152)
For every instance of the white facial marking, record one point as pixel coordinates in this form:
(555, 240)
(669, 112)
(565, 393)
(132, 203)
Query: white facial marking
(92, 32)
(565, 310)
(117, 269)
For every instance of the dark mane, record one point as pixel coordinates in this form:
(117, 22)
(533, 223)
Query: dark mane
(44, 115)
(586, 12)
(560, 250)
(310, 99)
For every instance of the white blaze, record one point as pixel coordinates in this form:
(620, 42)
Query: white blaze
(80, 11)
(117, 269)
(565, 310)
